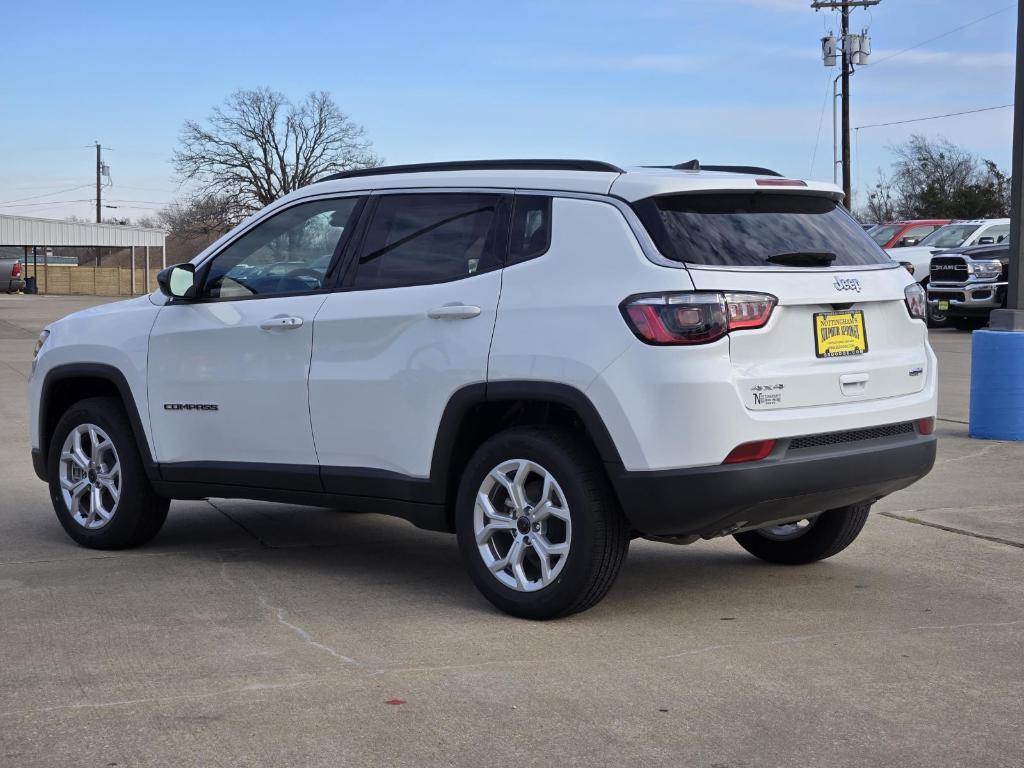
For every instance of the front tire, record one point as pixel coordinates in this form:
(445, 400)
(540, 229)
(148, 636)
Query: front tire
(98, 484)
(807, 541)
(968, 323)
(538, 524)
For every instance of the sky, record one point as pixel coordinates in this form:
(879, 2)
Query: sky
(639, 82)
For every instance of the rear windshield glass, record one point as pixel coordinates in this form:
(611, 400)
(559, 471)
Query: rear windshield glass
(949, 236)
(749, 228)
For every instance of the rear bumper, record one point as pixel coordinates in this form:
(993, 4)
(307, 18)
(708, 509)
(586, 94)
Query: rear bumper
(716, 500)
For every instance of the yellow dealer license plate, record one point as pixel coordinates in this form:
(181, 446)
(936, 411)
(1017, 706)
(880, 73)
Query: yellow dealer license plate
(840, 334)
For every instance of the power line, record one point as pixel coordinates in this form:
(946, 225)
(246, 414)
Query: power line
(935, 117)
(944, 34)
(47, 202)
(821, 121)
(47, 194)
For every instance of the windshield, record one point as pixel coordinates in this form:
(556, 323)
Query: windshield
(756, 229)
(883, 233)
(949, 236)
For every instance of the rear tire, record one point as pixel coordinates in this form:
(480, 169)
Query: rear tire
(98, 483)
(555, 505)
(935, 318)
(828, 534)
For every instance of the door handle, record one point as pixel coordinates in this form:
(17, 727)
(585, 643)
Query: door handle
(284, 322)
(453, 312)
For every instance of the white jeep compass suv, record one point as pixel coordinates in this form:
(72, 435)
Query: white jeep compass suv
(546, 357)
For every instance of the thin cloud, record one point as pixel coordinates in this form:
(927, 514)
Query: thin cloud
(1004, 60)
(668, 63)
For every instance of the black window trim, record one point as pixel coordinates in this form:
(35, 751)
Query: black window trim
(332, 274)
(508, 261)
(505, 197)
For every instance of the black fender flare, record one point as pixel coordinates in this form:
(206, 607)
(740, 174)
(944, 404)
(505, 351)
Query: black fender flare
(102, 372)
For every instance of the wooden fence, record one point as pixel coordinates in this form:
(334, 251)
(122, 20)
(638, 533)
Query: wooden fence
(92, 281)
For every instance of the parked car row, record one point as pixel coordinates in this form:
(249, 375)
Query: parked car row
(903, 234)
(961, 264)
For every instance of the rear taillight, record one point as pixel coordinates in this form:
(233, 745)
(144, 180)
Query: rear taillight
(695, 317)
(16, 269)
(755, 451)
(917, 300)
(926, 426)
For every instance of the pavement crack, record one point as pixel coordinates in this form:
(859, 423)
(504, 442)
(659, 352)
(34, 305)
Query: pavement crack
(951, 529)
(837, 635)
(259, 539)
(307, 638)
(303, 634)
(977, 454)
(158, 699)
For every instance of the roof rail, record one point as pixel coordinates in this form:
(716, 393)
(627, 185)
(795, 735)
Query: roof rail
(480, 165)
(694, 165)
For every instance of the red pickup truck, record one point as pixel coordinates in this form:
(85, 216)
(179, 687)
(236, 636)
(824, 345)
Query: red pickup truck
(904, 233)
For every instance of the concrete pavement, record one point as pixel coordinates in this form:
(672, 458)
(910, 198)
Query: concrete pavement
(260, 634)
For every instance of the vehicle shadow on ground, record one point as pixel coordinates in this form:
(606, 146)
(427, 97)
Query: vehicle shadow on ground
(367, 554)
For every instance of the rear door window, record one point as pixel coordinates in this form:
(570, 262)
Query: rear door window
(883, 234)
(918, 233)
(741, 229)
(950, 236)
(416, 239)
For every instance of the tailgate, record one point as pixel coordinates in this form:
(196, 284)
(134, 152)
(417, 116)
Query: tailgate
(835, 337)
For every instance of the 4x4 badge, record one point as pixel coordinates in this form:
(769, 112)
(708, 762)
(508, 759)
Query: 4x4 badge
(847, 284)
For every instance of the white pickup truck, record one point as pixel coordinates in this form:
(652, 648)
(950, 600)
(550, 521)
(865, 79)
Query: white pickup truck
(958, 234)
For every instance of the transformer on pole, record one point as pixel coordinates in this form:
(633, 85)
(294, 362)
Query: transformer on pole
(855, 51)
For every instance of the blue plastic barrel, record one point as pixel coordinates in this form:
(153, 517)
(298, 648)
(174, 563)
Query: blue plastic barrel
(997, 385)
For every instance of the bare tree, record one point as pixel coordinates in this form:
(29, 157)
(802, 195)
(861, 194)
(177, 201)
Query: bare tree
(933, 179)
(200, 216)
(881, 206)
(259, 146)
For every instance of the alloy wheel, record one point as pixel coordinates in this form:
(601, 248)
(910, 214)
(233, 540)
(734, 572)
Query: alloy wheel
(90, 476)
(522, 525)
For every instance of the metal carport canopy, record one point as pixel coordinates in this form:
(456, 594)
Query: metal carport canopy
(27, 231)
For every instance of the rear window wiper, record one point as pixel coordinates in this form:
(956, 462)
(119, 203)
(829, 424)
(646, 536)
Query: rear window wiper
(803, 258)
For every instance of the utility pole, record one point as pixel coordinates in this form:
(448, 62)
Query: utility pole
(845, 27)
(997, 353)
(99, 185)
(1012, 318)
(855, 50)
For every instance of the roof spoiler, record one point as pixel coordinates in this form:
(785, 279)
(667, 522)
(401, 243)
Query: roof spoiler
(694, 165)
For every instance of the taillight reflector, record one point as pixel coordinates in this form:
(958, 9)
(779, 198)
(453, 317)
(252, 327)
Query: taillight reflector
(695, 317)
(755, 451)
(926, 426)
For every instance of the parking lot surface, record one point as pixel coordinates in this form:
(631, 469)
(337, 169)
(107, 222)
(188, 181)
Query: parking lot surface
(260, 634)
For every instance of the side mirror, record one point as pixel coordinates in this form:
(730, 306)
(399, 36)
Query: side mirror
(986, 241)
(908, 241)
(179, 281)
